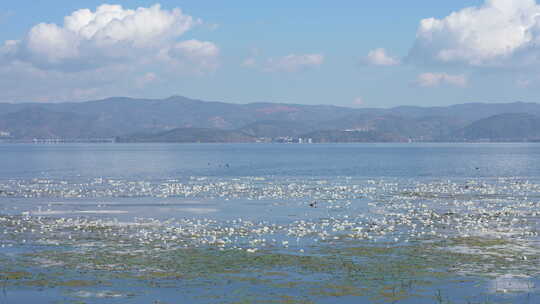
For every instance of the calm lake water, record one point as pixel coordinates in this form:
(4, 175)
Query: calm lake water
(149, 161)
(270, 223)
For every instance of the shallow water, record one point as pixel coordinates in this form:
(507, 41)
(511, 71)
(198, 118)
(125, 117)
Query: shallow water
(270, 223)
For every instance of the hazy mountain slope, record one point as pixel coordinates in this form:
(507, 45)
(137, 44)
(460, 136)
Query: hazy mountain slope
(6, 108)
(279, 128)
(296, 112)
(121, 116)
(503, 127)
(187, 135)
(423, 128)
(41, 123)
(468, 111)
(130, 115)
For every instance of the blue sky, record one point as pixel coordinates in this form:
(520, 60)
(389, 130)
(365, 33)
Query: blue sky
(349, 53)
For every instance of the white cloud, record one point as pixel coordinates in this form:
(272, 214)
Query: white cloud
(358, 101)
(89, 39)
(51, 44)
(104, 51)
(380, 57)
(194, 49)
(523, 83)
(294, 63)
(438, 79)
(252, 60)
(142, 27)
(146, 79)
(203, 54)
(9, 49)
(498, 33)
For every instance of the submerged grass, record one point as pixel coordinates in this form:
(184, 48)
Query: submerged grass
(382, 273)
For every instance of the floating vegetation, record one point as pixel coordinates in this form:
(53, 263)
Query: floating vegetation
(263, 240)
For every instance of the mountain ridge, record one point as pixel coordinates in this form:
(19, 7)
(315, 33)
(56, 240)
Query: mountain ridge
(126, 117)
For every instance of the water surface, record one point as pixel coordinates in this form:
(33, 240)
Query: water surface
(271, 223)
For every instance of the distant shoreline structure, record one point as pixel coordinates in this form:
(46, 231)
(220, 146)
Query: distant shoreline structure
(52, 141)
(58, 141)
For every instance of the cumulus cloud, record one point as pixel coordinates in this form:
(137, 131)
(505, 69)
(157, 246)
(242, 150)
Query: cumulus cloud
(91, 38)
(92, 44)
(380, 57)
(294, 62)
(203, 54)
(438, 79)
(497, 33)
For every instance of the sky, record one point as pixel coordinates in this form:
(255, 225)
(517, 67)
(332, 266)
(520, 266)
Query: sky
(349, 53)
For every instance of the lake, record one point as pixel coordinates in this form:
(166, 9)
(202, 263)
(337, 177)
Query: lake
(270, 223)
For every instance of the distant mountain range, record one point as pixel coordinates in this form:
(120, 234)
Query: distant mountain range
(181, 119)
